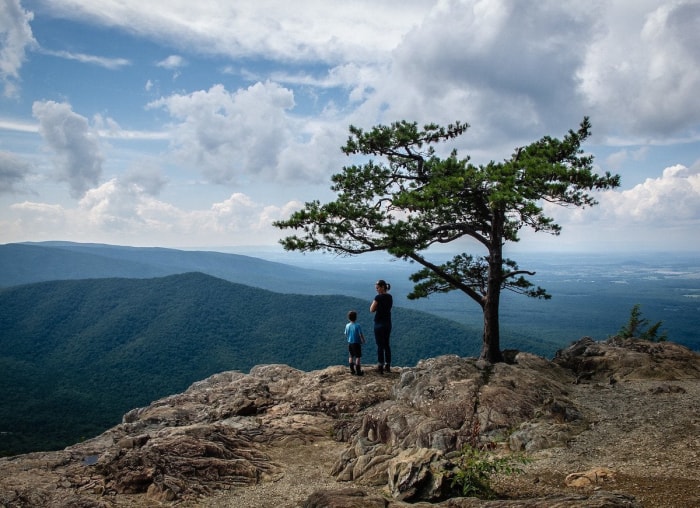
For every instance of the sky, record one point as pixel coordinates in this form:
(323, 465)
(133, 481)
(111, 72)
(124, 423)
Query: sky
(186, 124)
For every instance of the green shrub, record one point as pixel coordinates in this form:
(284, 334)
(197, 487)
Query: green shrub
(474, 469)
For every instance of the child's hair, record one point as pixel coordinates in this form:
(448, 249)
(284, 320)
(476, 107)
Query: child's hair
(384, 284)
(352, 315)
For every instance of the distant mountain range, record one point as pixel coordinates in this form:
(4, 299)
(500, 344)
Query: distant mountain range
(592, 293)
(23, 263)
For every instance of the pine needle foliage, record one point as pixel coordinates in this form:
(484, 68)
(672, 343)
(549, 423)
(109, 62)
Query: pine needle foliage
(638, 327)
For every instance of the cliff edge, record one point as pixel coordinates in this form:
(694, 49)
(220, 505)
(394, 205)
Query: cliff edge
(614, 423)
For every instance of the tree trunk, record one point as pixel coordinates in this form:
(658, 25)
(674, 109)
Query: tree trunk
(491, 347)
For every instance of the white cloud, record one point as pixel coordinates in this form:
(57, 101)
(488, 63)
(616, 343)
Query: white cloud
(127, 209)
(172, 62)
(16, 36)
(618, 158)
(514, 70)
(76, 148)
(670, 200)
(642, 71)
(43, 220)
(240, 213)
(236, 136)
(289, 31)
(227, 135)
(108, 128)
(660, 214)
(107, 63)
(145, 179)
(18, 125)
(507, 68)
(520, 70)
(13, 172)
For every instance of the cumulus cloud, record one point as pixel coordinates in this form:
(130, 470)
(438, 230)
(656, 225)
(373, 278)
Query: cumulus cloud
(13, 172)
(146, 178)
(42, 219)
(121, 207)
(517, 71)
(232, 136)
(124, 205)
(507, 64)
(514, 70)
(647, 88)
(243, 135)
(76, 148)
(16, 36)
(511, 69)
(112, 208)
(240, 213)
(672, 199)
(660, 214)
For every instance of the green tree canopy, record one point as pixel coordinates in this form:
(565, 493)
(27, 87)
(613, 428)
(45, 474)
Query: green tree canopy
(410, 199)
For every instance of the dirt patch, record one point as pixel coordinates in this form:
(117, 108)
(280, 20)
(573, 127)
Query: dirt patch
(646, 432)
(305, 469)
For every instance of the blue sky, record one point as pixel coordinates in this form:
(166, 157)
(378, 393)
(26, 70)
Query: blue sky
(196, 124)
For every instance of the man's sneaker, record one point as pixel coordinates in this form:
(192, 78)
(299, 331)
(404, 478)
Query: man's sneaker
(352, 369)
(359, 372)
(380, 369)
(387, 369)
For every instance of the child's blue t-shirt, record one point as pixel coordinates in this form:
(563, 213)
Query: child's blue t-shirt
(353, 332)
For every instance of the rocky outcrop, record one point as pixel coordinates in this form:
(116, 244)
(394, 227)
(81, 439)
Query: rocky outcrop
(448, 402)
(628, 359)
(388, 440)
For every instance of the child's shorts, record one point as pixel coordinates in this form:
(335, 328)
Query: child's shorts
(355, 349)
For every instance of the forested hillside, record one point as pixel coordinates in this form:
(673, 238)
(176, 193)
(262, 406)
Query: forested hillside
(592, 294)
(23, 263)
(76, 355)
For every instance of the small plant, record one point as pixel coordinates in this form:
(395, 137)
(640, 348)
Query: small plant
(635, 327)
(474, 469)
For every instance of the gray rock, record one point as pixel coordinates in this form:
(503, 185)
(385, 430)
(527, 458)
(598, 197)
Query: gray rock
(392, 439)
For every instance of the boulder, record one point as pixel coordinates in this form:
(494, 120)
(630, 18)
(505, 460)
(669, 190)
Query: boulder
(627, 359)
(591, 478)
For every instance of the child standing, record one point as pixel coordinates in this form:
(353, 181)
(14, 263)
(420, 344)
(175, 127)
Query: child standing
(355, 337)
